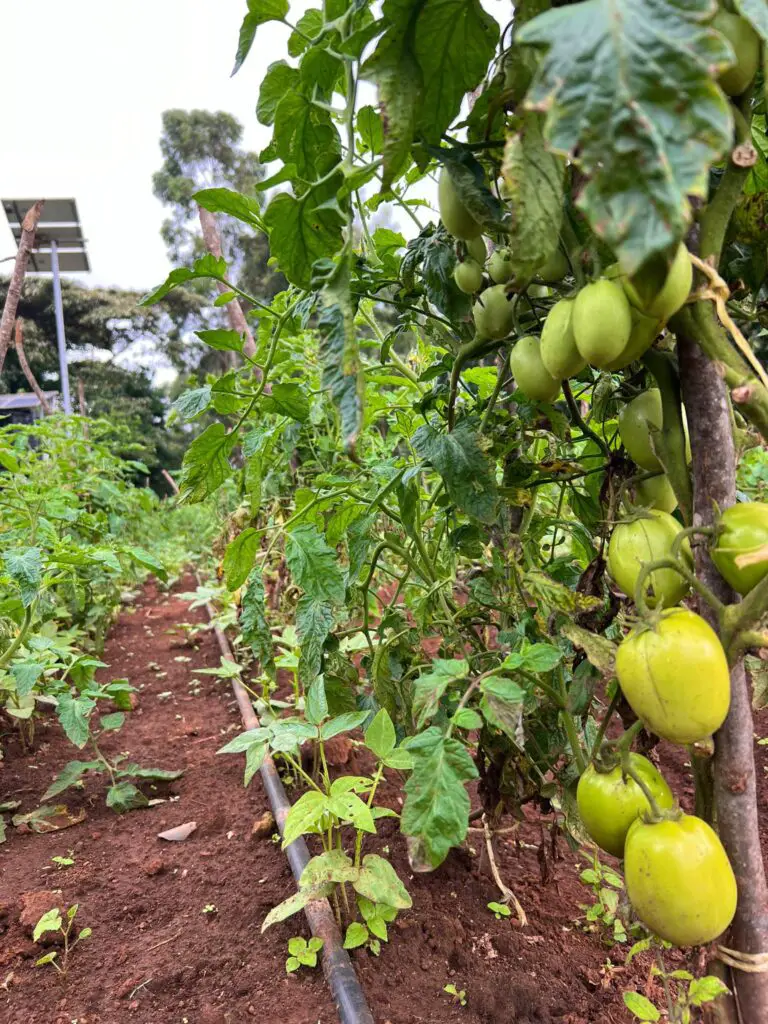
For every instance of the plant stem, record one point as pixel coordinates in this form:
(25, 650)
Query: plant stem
(656, 813)
(610, 711)
(19, 639)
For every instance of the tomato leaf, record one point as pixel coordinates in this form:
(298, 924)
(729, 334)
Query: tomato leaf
(436, 808)
(644, 138)
(259, 12)
(465, 471)
(314, 566)
(254, 626)
(314, 620)
(279, 79)
(534, 178)
(641, 1007)
(239, 557)
(300, 233)
(429, 688)
(206, 463)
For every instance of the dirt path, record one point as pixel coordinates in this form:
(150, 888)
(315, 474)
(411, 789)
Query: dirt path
(136, 891)
(156, 958)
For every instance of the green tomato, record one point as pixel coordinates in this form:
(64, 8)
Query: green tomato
(477, 250)
(746, 46)
(679, 879)
(635, 421)
(493, 313)
(644, 332)
(558, 345)
(745, 531)
(673, 293)
(555, 268)
(656, 492)
(644, 538)
(602, 322)
(530, 373)
(453, 213)
(500, 266)
(674, 674)
(468, 276)
(609, 802)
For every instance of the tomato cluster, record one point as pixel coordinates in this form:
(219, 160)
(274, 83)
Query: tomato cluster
(671, 667)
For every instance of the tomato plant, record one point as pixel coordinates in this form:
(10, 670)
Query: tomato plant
(440, 488)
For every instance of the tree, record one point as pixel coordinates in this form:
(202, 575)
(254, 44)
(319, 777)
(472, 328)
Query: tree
(202, 150)
(404, 464)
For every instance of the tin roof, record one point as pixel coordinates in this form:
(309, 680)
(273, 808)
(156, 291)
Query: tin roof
(24, 400)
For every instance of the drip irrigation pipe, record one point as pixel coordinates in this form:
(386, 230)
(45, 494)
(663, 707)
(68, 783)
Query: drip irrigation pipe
(337, 967)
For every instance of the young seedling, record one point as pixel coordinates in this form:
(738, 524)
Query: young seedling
(52, 921)
(302, 953)
(210, 909)
(459, 995)
(64, 862)
(499, 910)
(682, 991)
(608, 888)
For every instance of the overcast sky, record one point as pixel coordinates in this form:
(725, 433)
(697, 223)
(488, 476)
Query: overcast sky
(85, 84)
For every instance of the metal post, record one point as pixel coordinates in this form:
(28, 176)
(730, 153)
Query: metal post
(60, 338)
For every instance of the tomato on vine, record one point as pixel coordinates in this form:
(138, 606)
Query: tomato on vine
(674, 673)
(644, 538)
(610, 801)
(743, 531)
(602, 322)
(530, 373)
(559, 353)
(636, 420)
(679, 879)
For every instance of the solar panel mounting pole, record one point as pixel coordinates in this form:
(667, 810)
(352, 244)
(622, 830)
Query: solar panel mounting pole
(61, 340)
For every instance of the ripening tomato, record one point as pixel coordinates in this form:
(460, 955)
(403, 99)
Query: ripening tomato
(500, 267)
(644, 538)
(468, 276)
(493, 313)
(609, 802)
(558, 346)
(554, 269)
(746, 46)
(745, 531)
(656, 492)
(635, 422)
(673, 293)
(602, 322)
(679, 879)
(530, 373)
(453, 213)
(477, 250)
(674, 674)
(645, 330)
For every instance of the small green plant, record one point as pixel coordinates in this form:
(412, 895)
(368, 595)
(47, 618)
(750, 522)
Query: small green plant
(64, 862)
(210, 908)
(605, 914)
(327, 809)
(302, 953)
(52, 921)
(459, 995)
(683, 992)
(499, 910)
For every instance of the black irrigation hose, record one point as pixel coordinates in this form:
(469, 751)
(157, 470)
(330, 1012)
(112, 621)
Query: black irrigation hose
(337, 967)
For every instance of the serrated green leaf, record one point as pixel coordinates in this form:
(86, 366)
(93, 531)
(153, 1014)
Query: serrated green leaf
(25, 675)
(259, 12)
(343, 723)
(190, 404)
(70, 775)
(436, 808)
(428, 688)
(125, 797)
(25, 569)
(240, 556)
(314, 620)
(401, 760)
(534, 180)
(465, 471)
(645, 145)
(74, 714)
(304, 135)
(279, 79)
(207, 266)
(254, 626)
(314, 566)
(299, 234)
(288, 400)
(704, 990)
(221, 340)
(206, 463)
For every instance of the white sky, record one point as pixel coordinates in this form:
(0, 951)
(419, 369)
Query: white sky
(85, 84)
